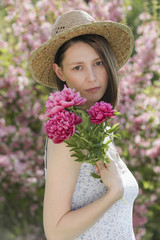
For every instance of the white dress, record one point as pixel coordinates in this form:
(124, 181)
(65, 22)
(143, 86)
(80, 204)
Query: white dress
(116, 223)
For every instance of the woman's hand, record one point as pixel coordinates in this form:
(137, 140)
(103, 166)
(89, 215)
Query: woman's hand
(111, 177)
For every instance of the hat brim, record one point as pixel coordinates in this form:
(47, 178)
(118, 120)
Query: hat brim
(119, 37)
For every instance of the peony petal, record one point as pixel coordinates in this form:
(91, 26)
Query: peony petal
(78, 120)
(66, 104)
(54, 110)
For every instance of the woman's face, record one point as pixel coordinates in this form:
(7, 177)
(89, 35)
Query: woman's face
(83, 70)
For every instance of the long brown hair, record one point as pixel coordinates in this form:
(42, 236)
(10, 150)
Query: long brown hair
(101, 46)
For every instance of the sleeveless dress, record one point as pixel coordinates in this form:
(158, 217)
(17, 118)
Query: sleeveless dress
(116, 223)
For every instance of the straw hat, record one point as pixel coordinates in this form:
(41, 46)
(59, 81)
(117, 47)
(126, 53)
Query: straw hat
(75, 23)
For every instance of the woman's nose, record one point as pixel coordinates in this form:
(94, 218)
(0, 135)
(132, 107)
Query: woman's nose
(90, 74)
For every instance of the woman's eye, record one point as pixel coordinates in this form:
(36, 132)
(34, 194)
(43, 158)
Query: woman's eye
(99, 63)
(77, 67)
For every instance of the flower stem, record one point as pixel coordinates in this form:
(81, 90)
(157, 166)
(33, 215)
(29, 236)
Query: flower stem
(84, 139)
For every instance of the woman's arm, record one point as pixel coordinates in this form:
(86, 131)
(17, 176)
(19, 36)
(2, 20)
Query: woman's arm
(60, 223)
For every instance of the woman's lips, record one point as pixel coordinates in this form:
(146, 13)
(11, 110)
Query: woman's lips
(93, 89)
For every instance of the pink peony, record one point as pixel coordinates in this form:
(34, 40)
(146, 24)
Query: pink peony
(100, 111)
(62, 99)
(62, 126)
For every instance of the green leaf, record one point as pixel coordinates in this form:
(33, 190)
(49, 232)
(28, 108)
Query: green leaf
(95, 175)
(106, 160)
(110, 140)
(96, 129)
(113, 128)
(75, 155)
(116, 113)
(73, 149)
(118, 136)
(78, 160)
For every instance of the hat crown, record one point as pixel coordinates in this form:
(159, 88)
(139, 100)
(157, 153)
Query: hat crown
(69, 20)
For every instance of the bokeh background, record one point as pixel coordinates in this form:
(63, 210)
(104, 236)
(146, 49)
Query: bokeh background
(25, 25)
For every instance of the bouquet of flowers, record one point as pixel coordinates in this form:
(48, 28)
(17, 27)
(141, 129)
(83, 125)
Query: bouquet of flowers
(86, 132)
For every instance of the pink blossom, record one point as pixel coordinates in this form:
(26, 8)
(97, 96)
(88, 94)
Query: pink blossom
(2, 199)
(3, 44)
(137, 139)
(106, 10)
(156, 143)
(2, 132)
(144, 16)
(36, 108)
(2, 122)
(11, 94)
(7, 2)
(62, 126)
(24, 130)
(32, 180)
(39, 173)
(99, 112)
(33, 207)
(153, 152)
(5, 185)
(4, 161)
(19, 167)
(45, 29)
(62, 99)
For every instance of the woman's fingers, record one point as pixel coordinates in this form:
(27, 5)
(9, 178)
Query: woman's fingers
(101, 166)
(111, 177)
(97, 170)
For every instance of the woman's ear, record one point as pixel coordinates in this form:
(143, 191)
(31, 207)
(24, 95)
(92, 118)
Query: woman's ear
(58, 71)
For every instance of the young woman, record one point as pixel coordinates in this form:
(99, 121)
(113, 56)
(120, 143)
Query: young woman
(85, 55)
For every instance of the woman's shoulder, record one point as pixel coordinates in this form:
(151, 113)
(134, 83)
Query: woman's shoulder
(59, 159)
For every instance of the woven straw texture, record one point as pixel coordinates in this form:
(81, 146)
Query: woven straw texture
(72, 24)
